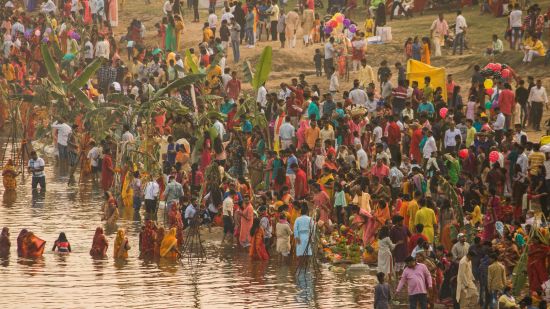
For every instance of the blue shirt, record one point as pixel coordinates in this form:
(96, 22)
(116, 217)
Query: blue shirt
(302, 229)
(292, 159)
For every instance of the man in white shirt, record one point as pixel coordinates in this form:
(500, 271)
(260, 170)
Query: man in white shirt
(102, 48)
(36, 167)
(167, 7)
(439, 30)
(127, 136)
(48, 7)
(518, 134)
(97, 7)
(371, 105)
(358, 96)
(515, 20)
(460, 29)
(362, 157)
(218, 125)
(286, 133)
(329, 57)
(430, 146)
(537, 97)
(94, 155)
(227, 15)
(227, 213)
(284, 93)
(450, 137)
(212, 21)
(262, 96)
(151, 194)
(63, 132)
(377, 133)
(498, 125)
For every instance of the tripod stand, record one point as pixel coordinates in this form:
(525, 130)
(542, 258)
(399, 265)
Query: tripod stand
(192, 246)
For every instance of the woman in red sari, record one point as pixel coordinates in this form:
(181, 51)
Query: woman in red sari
(147, 240)
(175, 220)
(99, 245)
(380, 215)
(536, 264)
(107, 170)
(257, 248)
(415, 142)
(321, 200)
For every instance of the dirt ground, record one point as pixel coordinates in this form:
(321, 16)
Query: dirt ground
(289, 63)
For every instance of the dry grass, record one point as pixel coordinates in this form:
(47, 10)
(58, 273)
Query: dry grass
(288, 63)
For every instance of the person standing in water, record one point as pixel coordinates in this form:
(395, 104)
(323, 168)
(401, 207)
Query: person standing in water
(36, 167)
(62, 244)
(302, 231)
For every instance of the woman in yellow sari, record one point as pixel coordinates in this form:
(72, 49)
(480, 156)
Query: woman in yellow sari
(121, 245)
(127, 191)
(169, 245)
(476, 216)
(8, 176)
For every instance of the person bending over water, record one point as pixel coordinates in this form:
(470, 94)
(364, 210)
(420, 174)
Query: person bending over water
(99, 245)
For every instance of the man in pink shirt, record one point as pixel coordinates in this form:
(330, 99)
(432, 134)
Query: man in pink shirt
(380, 170)
(506, 102)
(418, 280)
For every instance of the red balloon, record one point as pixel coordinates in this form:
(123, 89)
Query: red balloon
(497, 67)
(443, 112)
(463, 153)
(505, 73)
(493, 156)
(489, 91)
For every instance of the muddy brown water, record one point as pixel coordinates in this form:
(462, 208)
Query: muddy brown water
(228, 279)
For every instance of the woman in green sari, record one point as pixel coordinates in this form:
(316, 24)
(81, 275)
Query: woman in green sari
(170, 34)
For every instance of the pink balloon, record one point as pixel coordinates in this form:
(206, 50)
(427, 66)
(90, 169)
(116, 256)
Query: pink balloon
(497, 67)
(340, 18)
(489, 65)
(493, 156)
(505, 73)
(443, 112)
(463, 153)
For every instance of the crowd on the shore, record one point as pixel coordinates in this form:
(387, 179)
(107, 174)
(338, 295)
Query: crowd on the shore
(443, 194)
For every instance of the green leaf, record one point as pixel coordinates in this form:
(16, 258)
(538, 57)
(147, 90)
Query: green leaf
(192, 65)
(50, 65)
(178, 83)
(263, 68)
(88, 72)
(247, 72)
(81, 97)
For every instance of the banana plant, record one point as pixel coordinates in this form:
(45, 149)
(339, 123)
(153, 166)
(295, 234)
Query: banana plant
(263, 68)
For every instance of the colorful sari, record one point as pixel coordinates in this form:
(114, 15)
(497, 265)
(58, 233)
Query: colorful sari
(247, 219)
(257, 248)
(127, 192)
(378, 220)
(9, 176)
(99, 244)
(169, 245)
(121, 245)
(29, 246)
(175, 221)
(147, 240)
(107, 174)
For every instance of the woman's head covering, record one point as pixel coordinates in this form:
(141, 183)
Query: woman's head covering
(119, 240)
(170, 241)
(476, 216)
(21, 250)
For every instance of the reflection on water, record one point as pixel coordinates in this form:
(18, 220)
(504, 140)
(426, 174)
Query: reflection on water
(227, 279)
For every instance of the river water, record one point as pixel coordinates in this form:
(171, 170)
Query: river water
(228, 279)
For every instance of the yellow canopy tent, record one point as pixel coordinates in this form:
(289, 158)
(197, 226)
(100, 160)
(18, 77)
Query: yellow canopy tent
(416, 71)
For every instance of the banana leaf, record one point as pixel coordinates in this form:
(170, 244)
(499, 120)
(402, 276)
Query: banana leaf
(50, 65)
(88, 72)
(247, 72)
(178, 83)
(192, 65)
(82, 98)
(263, 68)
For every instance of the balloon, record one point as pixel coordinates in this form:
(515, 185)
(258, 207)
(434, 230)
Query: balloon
(45, 39)
(505, 73)
(339, 18)
(498, 67)
(488, 104)
(488, 83)
(443, 112)
(489, 65)
(332, 23)
(48, 30)
(352, 29)
(489, 91)
(37, 32)
(463, 153)
(493, 156)
(328, 29)
(347, 22)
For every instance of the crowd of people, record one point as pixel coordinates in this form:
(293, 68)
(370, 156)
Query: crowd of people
(443, 194)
